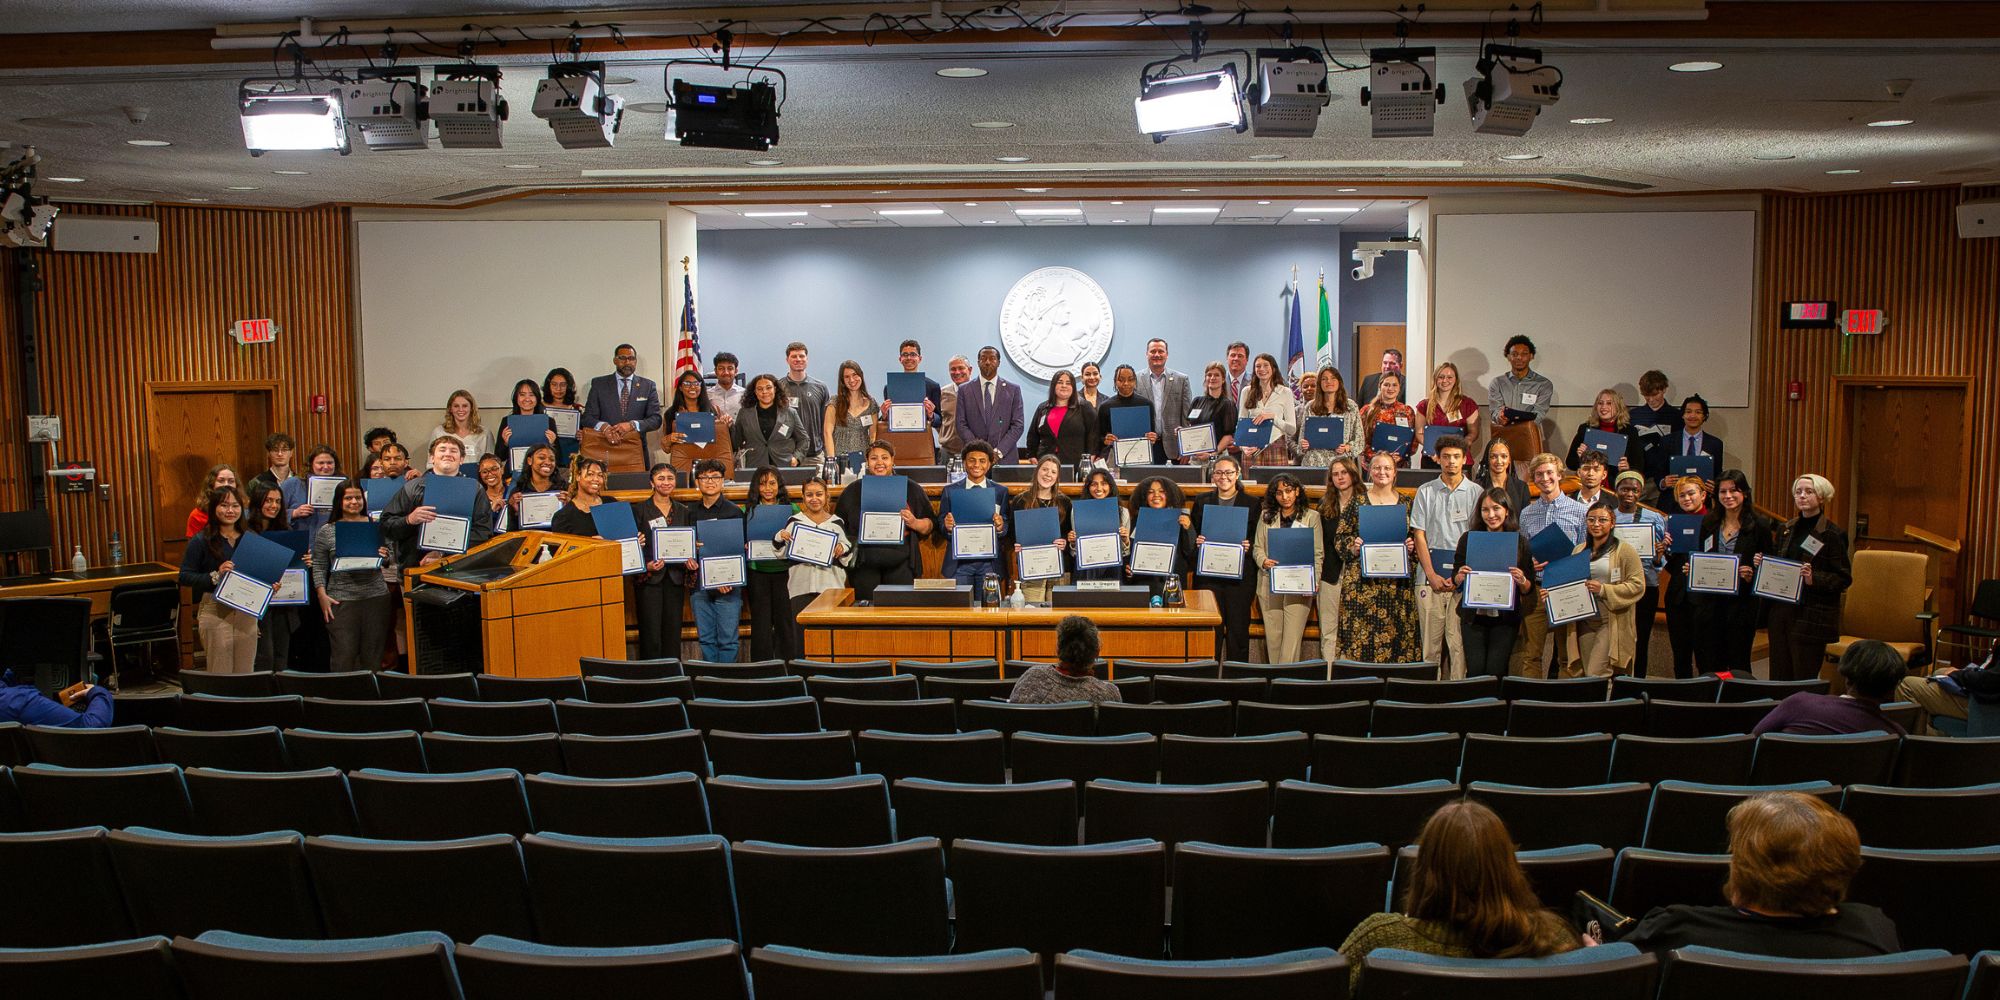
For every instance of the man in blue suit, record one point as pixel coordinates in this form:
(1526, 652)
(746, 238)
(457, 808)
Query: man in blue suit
(1691, 440)
(624, 404)
(989, 407)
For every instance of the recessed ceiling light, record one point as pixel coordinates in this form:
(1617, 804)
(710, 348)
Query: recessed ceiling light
(618, 81)
(1190, 190)
(1263, 203)
(989, 222)
(1184, 210)
(1345, 190)
(1590, 121)
(67, 180)
(194, 199)
(54, 122)
(1698, 66)
(649, 107)
(773, 215)
(1048, 211)
(1520, 156)
(971, 204)
(826, 205)
(885, 191)
(1117, 203)
(765, 163)
(1267, 156)
(961, 72)
(1844, 171)
(1012, 159)
(1328, 209)
(910, 211)
(243, 187)
(291, 173)
(727, 194)
(1892, 122)
(1312, 220)
(798, 223)
(1771, 156)
(1906, 182)
(148, 143)
(992, 124)
(524, 166)
(1033, 190)
(1117, 220)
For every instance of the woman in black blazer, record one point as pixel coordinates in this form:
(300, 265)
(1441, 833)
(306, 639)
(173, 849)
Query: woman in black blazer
(1612, 417)
(1800, 632)
(768, 428)
(1072, 435)
(1722, 626)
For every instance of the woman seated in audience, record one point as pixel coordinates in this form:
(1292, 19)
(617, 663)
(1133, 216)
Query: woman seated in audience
(768, 429)
(218, 476)
(1267, 400)
(805, 581)
(1611, 416)
(1099, 485)
(265, 514)
(1213, 407)
(1063, 423)
(493, 490)
(227, 635)
(1791, 858)
(355, 602)
(771, 624)
(1160, 493)
(586, 491)
(1496, 472)
(1388, 605)
(1233, 595)
(559, 393)
(1046, 491)
(1071, 677)
(1447, 407)
(879, 563)
(21, 701)
(1488, 633)
(691, 396)
(850, 417)
(1606, 642)
(1799, 632)
(527, 403)
(1466, 897)
(1721, 627)
(1329, 400)
(662, 591)
(1872, 670)
(1388, 407)
(461, 420)
(1343, 490)
(1284, 614)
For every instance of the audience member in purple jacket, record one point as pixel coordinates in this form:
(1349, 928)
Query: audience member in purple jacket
(24, 704)
(1872, 670)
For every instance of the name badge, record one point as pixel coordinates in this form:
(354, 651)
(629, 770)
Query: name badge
(1195, 413)
(1812, 546)
(783, 430)
(1402, 422)
(1528, 398)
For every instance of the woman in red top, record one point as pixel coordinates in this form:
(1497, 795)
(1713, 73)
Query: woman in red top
(1389, 407)
(1447, 407)
(218, 477)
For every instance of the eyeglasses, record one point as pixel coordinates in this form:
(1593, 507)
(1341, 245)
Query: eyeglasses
(1224, 474)
(709, 477)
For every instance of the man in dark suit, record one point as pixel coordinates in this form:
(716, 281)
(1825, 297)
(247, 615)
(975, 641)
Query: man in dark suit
(1168, 391)
(624, 404)
(1392, 361)
(1691, 440)
(989, 408)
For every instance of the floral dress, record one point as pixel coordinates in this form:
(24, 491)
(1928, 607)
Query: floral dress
(1383, 611)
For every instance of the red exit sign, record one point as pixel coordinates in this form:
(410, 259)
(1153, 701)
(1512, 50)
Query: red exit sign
(1859, 322)
(254, 331)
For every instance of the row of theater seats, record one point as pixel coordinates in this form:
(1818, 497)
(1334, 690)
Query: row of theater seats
(427, 966)
(917, 896)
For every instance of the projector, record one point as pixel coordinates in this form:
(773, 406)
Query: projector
(1289, 93)
(388, 112)
(1505, 99)
(726, 117)
(468, 111)
(1402, 93)
(572, 100)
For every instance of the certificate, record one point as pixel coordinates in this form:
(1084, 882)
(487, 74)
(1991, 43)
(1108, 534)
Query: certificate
(674, 545)
(566, 421)
(1196, 440)
(881, 527)
(1639, 536)
(1571, 602)
(906, 417)
(243, 594)
(1292, 580)
(1489, 591)
(1779, 580)
(1096, 551)
(721, 571)
(811, 545)
(445, 534)
(974, 541)
(321, 491)
(1386, 560)
(291, 589)
(516, 457)
(1039, 562)
(1153, 558)
(1712, 573)
(1220, 559)
(538, 510)
(1132, 451)
(631, 556)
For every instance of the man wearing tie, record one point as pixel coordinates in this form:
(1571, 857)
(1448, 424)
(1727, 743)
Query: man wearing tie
(1168, 391)
(1691, 440)
(624, 404)
(989, 409)
(1238, 363)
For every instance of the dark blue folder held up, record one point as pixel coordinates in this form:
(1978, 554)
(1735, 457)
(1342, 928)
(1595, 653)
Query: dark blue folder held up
(1250, 434)
(1685, 530)
(1492, 551)
(906, 387)
(1325, 432)
(699, 428)
(1157, 524)
(766, 520)
(356, 539)
(1037, 526)
(453, 496)
(1130, 421)
(719, 536)
(1612, 445)
(1702, 466)
(1094, 517)
(1225, 525)
(299, 542)
(614, 521)
(1392, 438)
(1435, 433)
(884, 494)
(1384, 524)
(1551, 544)
(1289, 546)
(260, 558)
(380, 492)
(972, 506)
(1566, 570)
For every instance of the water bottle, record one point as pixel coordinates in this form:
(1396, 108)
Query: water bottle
(1083, 468)
(1018, 599)
(1172, 591)
(989, 590)
(1155, 602)
(77, 562)
(117, 550)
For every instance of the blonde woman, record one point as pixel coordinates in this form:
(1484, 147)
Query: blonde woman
(1610, 415)
(1447, 407)
(461, 420)
(1268, 400)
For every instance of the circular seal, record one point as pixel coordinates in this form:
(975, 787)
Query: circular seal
(1055, 319)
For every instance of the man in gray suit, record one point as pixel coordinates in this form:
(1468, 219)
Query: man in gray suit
(1168, 391)
(989, 408)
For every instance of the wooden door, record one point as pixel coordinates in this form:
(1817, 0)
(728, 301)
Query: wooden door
(194, 425)
(1906, 468)
(1370, 340)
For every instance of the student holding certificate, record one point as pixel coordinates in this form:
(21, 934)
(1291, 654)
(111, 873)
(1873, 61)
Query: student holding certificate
(1617, 580)
(1388, 407)
(527, 403)
(1211, 417)
(404, 517)
(564, 410)
(1381, 610)
(894, 562)
(1724, 624)
(1690, 507)
(1343, 491)
(353, 598)
(309, 501)
(770, 510)
(1150, 552)
(1045, 491)
(768, 429)
(1447, 407)
(1329, 402)
(1284, 593)
(1233, 591)
(662, 591)
(1267, 400)
(1099, 485)
(805, 540)
(850, 425)
(1646, 530)
(586, 491)
(691, 396)
(492, 478)
(1127, 382)
(265, 515)
(973, 541)
(717, 610)
(1800, 631)
(1487, 632)
(536, 494)
(1609, 416)
(227, 635)
(461, 421)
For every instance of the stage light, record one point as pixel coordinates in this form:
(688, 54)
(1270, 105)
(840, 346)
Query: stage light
(467, 107)
(387, 108)
(1402, 93)
(1513, 86)
(1289, 92)
(743, 116)
(572, 100)
(291, 122)
(1189, 103)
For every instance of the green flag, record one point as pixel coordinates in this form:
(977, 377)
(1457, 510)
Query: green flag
(1323, 353)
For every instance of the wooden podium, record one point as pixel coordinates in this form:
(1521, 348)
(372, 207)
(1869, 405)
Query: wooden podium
(523, 618)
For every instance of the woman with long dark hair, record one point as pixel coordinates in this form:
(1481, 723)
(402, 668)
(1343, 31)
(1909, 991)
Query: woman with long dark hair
(877, 564)
(228, 636)
(661, 592)
(691, 396)
(1722, 627)
(1487, 634)
(1045, 491)
(1233, 595)
(1284, 614)
(1062, 423)
(770, 605)
(353, 603)
(1099, 485)
(559, 393)
(527, 403)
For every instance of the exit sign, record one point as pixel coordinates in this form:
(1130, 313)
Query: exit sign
(1860, 322)
(254, 331)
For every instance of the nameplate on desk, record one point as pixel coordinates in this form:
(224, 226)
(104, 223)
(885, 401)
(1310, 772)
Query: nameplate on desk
(924, 594)
(1097, 585)
(1099, 594)
(933, 584)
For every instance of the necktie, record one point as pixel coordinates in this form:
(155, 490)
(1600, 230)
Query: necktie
(624, 394)
(989, 395)
(1690, 445)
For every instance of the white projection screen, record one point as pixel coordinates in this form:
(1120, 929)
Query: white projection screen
(1605, 296)
(481, 305)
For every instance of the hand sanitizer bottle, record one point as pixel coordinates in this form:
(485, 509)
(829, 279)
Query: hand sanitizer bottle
(78, 563)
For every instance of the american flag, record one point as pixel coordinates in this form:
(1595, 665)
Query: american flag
(688, 354)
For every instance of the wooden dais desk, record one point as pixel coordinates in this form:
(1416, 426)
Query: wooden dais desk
(96, 583)
(837, 631)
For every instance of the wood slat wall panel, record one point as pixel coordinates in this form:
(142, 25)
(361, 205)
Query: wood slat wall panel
(1898, 251)
(13, 481)
(111, 323)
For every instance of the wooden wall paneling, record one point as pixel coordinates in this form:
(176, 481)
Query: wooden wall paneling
(14, 490)
(1898, 251)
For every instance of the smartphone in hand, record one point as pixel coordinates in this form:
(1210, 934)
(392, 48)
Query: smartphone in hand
(69, 696)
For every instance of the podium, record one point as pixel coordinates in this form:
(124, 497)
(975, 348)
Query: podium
(526, 604)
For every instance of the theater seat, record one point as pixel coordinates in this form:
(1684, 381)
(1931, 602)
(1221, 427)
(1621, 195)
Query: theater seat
(68, 875)
(503, 968)
(637, 718)
(887, 899)
(1697, 973)
(666, 805)
(399, 805)
(225, 965)
(1108, 897)
(1615, 971)
(1310, 814)
(1240, 902)
(314, 802)
(180, 885)
(1024, 812)
(801, 974)
(1311, 974)
(139, 969)
(833, 812)
(599, 891)
(465, 888)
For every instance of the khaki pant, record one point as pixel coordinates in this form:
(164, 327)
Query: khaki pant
(1527, 660)
(1593, 643)
(1329, 620)
(227, 635)
(1437, 616)
(1932, 699)
(1284, 624)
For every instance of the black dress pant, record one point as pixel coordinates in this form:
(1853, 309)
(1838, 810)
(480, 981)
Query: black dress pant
(1488, 642)
(1647, 610)
(877, 565)
(1724, 629)
(1682, 634)
(660, 610)
(1233, 599)
(770, 617)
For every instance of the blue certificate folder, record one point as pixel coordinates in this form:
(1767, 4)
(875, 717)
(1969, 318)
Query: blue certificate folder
(1252, 434)
(906, 387)
(971, 506)
(1325, 432)
(884, 494)
(357, 540)
(1222, 525)
(1289, 546)
(1384, 524)
(1492, 551)
(766, 520)
(614, 521)
(1157, 524)
(526, 430)
(1130, 421)
(1685, 530)
(1038, 526)
(1094, 517)
(260, 558)
(1551, 544)
(298, 542)
(1569, 569)
(1433, 434)
(1612, 445)
(453, 496)
(699, 427)
(719, 536)
(1692, 465)
(380, 492)
(1393, 438)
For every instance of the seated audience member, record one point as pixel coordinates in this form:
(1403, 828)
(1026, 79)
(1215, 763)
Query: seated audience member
(21, 702)
(1872, 669)
(1466, 897)
(1949, 691)
(1070, 678)
(1791, 857)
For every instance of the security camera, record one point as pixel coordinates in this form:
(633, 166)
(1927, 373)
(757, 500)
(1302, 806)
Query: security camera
(1365, 269)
